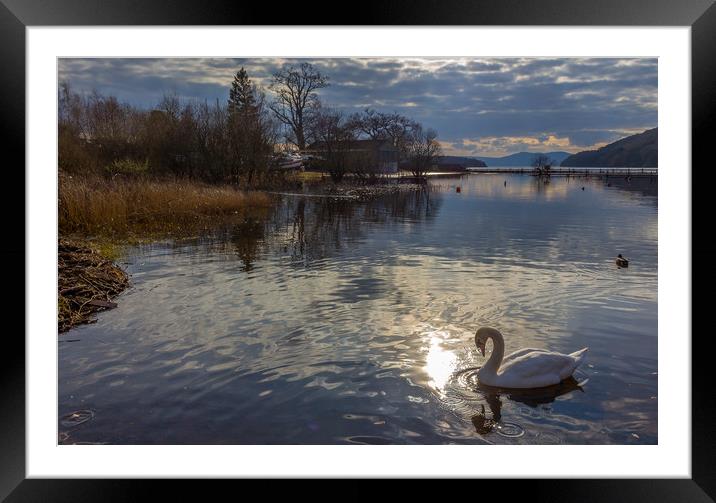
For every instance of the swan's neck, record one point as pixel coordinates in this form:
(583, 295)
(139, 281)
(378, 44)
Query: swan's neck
(498, 352)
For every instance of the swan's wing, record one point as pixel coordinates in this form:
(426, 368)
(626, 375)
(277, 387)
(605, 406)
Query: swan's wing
(536, 365)
(521, 352)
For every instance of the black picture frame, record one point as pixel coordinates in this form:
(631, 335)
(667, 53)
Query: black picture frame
(16, 15)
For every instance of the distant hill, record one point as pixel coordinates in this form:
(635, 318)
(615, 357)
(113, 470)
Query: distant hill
(465, 162)
(523, 159)
(636, 151)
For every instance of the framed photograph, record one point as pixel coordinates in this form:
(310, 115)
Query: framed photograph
(448, 241)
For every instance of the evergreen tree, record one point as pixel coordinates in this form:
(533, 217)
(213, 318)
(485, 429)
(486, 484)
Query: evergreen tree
(242, 95)
(250, 130)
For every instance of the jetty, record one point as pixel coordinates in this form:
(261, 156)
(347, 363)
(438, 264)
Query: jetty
(565, 171)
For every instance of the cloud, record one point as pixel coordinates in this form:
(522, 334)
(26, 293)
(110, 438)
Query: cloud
(496, 104)
(497, 146)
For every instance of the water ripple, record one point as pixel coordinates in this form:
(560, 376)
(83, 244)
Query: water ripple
(338, 321)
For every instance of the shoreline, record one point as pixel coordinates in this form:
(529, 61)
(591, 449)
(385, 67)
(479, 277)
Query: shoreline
(88, 282)
(353, 190)
(99, 217)
(94, 235)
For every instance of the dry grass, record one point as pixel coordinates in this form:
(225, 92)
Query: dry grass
(87, 283)
(122, 208)
(108, 213)
(310, 176)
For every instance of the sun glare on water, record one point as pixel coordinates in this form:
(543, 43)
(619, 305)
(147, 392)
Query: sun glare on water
(440, 363)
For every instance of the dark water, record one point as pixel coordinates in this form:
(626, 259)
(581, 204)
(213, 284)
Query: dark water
(352, 322)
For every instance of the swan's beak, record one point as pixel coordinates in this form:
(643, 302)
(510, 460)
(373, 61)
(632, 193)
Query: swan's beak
(481, 348)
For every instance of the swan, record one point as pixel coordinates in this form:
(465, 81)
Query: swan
(621, 261)
(525, 368)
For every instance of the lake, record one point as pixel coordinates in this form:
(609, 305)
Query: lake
(335, 321)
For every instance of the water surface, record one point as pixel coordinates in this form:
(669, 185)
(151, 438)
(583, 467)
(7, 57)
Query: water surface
(337, 321)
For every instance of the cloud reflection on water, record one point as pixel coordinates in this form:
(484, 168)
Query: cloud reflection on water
(328, 310)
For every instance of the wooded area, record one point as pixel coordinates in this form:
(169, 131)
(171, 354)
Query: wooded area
(237, 142)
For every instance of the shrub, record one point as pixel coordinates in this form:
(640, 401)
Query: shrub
(128, 167)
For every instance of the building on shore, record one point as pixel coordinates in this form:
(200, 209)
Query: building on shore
(378, 156)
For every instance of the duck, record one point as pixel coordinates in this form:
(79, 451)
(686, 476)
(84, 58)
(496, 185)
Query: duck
(527, 368)
(621, 261)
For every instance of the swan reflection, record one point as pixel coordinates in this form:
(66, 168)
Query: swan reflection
(485, 422)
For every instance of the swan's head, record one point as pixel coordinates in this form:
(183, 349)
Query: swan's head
(481, 337)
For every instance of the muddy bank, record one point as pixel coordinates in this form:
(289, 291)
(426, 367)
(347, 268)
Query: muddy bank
(87, 283)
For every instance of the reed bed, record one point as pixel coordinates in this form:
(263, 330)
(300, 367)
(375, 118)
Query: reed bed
(118, 208)
(109, 212)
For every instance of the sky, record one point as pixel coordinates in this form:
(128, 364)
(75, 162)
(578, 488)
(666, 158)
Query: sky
(479, 107)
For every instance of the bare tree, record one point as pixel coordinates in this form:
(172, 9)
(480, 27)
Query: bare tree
(334, 139)
(74, 153)
(295, 90)
(422, 150)
(542, 164)
(210, 139)
(371, 123)
(400, 129)
(383, 126)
